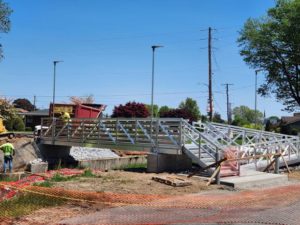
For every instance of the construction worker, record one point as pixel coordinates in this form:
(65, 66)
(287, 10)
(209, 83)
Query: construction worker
(9, 151)
(65, 116)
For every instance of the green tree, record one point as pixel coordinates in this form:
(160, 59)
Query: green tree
(217, 118)
(155, 110)
(5, 13)
(272, 44)
(243, 115)
(192, 107)
(163, 110)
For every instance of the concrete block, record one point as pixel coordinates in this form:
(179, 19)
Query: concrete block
(38, 167)
(157, 162)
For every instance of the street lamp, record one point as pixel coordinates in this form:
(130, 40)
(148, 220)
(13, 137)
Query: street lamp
(54, 76)
(255, 101)
(152, 87)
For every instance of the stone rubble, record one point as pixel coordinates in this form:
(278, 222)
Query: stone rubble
(86, 153)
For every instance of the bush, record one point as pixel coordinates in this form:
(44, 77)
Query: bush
(18, 124)
(14, 123)
(179, 113)
(28, 129)
(131, 109)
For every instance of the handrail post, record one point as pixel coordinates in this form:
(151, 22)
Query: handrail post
(217, 160)
(82, 133)
(99, 128)
(157, 131)
(277, 162)
(68, 130)
(199, 145)
(181, 143)
(53, 130)
(116, 131)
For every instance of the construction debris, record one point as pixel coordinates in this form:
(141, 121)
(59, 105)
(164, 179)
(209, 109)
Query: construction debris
(85, 153)
(173, 181)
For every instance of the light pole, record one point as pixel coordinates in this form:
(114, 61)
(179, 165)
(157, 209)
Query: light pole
(152, 86)
(54, 77)
(255, 101)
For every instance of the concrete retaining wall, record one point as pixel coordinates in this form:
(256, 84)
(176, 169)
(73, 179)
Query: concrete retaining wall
(113, 163)
(158, 162)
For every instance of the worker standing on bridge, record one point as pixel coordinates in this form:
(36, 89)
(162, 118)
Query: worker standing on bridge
(65, 116)
(8, 151)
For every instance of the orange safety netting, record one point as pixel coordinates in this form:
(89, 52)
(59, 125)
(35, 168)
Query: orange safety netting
(278, 205)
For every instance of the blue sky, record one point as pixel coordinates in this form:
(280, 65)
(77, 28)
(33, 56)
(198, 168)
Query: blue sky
(106, 48)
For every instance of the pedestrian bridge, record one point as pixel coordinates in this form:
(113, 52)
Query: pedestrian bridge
(204, 143)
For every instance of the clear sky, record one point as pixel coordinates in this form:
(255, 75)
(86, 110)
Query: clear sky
(106, 49)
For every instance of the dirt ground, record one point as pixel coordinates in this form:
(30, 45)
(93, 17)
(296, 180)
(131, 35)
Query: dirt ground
(134, 183)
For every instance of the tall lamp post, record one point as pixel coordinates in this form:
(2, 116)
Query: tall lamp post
(255, 101)
(54, 78)
(152, 86)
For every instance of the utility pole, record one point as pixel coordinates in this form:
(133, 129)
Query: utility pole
(228, 103)
(34, 102)
(210, 113)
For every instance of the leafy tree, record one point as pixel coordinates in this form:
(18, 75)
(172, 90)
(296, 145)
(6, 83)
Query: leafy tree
(217, 118)
(272, 44)
(15, 123)
(155, 110)
(191, 106)
(163, 109)
(273, 124)
(178, 113)
(23, 103)
(5, 13)
(131, 109)
(243, 115)
(11, 120)
(6, 109)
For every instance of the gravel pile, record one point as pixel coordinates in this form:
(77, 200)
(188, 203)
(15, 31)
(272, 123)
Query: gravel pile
(85, 153)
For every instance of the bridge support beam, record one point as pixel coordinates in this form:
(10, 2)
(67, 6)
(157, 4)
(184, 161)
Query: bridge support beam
(158, 162)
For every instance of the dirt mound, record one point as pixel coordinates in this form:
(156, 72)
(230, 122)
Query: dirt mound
(26, 151)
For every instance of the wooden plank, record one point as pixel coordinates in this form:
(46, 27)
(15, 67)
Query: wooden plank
(213, 175)
(172, 181)
(286, 164)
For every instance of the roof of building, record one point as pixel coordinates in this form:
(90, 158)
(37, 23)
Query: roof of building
(42, 112)
(290, 119)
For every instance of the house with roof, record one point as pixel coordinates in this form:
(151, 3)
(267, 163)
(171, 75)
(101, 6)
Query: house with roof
(291, 124)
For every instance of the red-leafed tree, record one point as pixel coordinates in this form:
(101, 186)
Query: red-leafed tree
(131, 109)
(23, 103)
(179, 113)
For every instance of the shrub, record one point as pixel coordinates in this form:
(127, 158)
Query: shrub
(178, 113)
(131, 109)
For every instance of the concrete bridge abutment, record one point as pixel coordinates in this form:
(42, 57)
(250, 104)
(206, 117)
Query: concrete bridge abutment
(158, 162)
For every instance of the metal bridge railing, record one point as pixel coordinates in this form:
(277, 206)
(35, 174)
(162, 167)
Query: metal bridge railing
(141, 133)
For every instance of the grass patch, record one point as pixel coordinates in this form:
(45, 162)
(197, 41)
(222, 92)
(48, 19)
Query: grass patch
(59, 178)
(27, 203)
(46, 183)
(139, 167)
(8, 179)
(88, 173)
